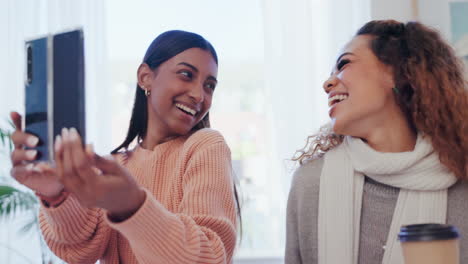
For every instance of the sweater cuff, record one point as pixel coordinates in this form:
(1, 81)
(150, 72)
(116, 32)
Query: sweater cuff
(137, 225)
(53, 201)
(69, 219)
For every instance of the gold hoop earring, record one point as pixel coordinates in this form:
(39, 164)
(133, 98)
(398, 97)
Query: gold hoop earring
(147, 92)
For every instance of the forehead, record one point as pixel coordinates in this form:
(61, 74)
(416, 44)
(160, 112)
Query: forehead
(201, 59)
(358, 45)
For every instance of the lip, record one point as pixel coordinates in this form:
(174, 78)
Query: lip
(184, 117)
(196, 108)
(331, 94)
(332, 108)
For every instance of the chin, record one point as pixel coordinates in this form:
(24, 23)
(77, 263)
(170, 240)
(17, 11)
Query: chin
(338, 127)
(182, 130)
(335, 124)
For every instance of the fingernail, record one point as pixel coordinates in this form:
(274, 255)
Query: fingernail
(73, 133)
(65, 133)
(31, 154)
(29, 167)
(58, 142)
(32, 141)
(36, 169)
(90, 149)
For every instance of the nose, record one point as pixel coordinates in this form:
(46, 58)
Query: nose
(196, 93)
(330, 83)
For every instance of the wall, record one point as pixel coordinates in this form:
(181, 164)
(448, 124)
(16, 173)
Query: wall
(402, 10)
(434, 13)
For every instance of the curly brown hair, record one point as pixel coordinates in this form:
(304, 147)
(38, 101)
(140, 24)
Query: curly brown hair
(432, 91)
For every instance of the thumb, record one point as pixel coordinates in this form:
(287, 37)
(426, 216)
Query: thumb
(106, 164)
(89, 150)
(16, 119)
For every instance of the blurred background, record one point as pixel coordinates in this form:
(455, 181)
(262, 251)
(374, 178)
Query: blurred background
(274, 56)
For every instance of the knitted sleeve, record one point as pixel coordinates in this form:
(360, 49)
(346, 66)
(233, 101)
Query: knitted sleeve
(292, 251)
(74, 233)
(302, 214)
(203, 230)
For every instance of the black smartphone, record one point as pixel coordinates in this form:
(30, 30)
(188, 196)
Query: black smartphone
(37, 86)
(54, 88)
(69, 82)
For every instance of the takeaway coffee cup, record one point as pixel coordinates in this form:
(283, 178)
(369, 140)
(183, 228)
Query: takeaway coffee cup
(430, 244)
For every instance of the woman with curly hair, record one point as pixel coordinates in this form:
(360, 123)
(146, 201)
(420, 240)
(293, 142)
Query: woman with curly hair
(395, 152)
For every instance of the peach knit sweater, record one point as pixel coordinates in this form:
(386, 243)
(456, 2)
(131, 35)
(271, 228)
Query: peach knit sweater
(189, 215)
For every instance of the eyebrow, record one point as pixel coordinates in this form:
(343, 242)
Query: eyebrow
(189, 65)
(196, 70)
(337, 60)
(344, 54)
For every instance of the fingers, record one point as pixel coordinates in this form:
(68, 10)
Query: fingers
(107, 165)
(20, 155)
(58, 156)
(90, 154)
(76, 169)
(75, 163)
(82, 164)
(21, 173)
(90, 151)
(69, 173)
(21, 139)
(16, 119)
(44, 167)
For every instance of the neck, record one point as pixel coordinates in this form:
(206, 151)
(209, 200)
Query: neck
(151, 142)
(391, 142)
(395, 135)
(389, 132)
(155, 134)
(154, 137)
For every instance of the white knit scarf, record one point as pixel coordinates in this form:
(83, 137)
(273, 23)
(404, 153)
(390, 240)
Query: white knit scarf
(423, 183)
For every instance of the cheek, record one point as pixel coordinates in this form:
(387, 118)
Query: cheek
(160, 101)
(208, 101)
(365, 96)
(364, 86)
(367, 102)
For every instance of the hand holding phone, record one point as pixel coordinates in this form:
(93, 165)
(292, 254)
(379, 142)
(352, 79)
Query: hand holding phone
(41, 177)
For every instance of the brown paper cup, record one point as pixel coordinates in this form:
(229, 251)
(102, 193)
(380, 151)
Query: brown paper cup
(430, 244)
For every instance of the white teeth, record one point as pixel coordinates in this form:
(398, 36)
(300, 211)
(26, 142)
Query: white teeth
(186, 109)
(339, 97)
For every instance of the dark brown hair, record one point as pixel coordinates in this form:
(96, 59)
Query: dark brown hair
(431, 91)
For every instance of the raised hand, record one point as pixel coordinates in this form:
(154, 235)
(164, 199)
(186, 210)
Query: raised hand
(96, 181)
(40, 177)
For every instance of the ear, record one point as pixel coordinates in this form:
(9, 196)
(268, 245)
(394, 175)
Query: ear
(145, 76)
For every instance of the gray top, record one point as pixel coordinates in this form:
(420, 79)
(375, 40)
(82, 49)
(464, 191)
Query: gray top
(378, 203)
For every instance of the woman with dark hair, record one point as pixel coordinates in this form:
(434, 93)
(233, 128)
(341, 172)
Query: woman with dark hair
(395, 152)
(170, 199)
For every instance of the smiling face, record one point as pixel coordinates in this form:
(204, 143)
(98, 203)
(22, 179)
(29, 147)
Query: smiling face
(181, 91)
(359, 90)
